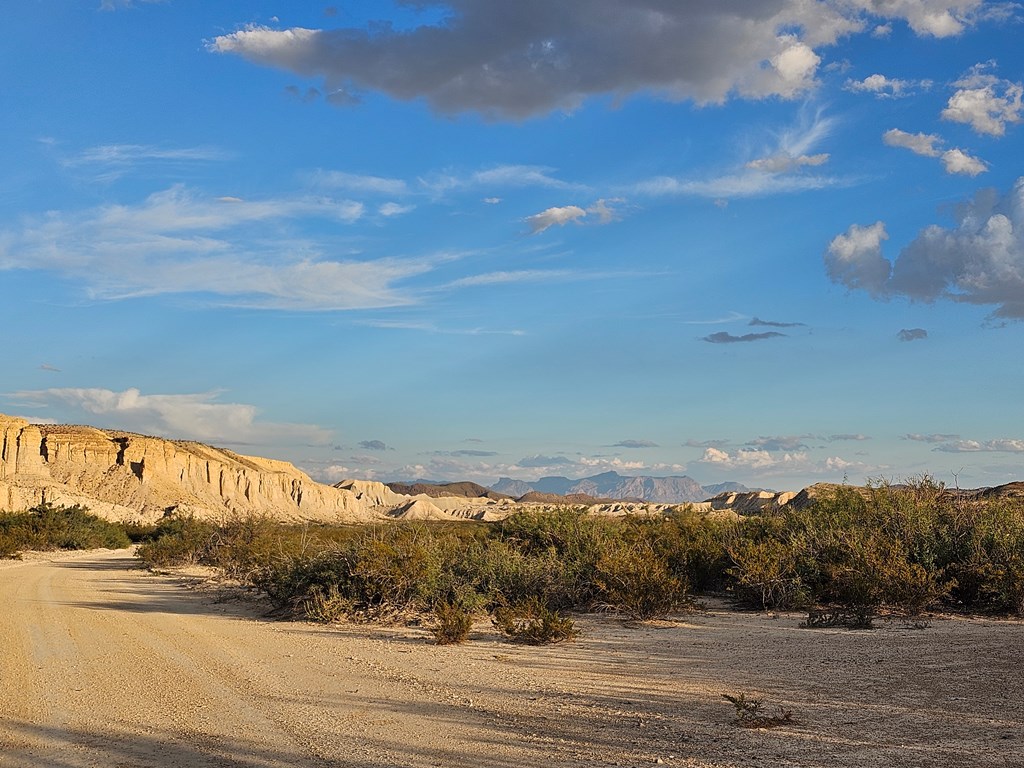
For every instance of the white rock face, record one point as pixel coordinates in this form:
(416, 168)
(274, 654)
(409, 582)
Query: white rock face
(120, 475)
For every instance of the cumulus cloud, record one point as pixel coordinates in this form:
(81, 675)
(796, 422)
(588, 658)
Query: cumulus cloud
(932, 438)
(178, 241)
(912, 334)
(919, 143)
(635, 444)
(560, 216)
(183, 416)
(985, 102)
(929, 145)
(979, 261)
(724, 337)
(546, 56)
(1005, 445)
(958, 161)
(848, 436)
(602, 211)
(886, 88)
(753, 459)
(855, 259)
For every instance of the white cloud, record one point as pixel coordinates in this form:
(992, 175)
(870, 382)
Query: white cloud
(548, 57)
(353, 182)
(933, 438)
(985, 102)
(884, 87)
(192, 416)
(559, 216)
(177, 241)
(918, 143)
(113, 5)
(754, 459)
(512, 276)
(855, 259)
(779, 169)
(928, 144)
(130, 154)
(1005, 445)
(980, 261)
(781, 162)
(394, 209)
(958, 161)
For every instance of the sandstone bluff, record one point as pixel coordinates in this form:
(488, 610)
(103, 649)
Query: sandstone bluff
(125, 476)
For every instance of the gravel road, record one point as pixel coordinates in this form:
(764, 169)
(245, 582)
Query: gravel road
(104, 664)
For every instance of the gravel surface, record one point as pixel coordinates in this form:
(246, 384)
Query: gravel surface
(104, 664)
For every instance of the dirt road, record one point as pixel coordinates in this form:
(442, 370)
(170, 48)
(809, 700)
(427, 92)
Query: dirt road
(103, 664)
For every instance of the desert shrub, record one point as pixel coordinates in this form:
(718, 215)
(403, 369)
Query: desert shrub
(179, 540)
(765, 574)
(53, 527)
(560, 549)
(635, 579)
(530, 622)
(751, 713)
(452, 623)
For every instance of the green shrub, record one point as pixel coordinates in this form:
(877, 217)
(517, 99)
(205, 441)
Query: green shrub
(452, 624)
(532, 623)
(634, 579)
(48, 527)
(179, 540)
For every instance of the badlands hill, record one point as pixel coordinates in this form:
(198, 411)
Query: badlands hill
(125, 476)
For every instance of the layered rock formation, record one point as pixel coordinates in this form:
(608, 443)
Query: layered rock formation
(125, 476)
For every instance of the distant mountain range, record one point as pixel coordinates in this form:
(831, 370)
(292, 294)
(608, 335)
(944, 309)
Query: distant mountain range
(612, 485)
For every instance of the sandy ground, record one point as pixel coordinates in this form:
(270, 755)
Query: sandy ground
(103, 664)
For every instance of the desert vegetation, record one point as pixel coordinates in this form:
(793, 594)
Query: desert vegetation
(48, 527)
(844, 558)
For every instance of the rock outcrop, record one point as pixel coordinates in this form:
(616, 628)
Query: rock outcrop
(121, 475)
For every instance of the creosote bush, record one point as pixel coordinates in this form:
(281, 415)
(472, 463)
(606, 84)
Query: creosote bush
(46, 527)
(452, 624)
(530, 622)
(853, 552)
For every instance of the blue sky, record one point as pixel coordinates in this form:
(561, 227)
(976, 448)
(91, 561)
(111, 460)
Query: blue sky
(777, 242)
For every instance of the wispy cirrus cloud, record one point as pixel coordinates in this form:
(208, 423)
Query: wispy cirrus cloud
(230, 250)
(196, 416)
(780, 168)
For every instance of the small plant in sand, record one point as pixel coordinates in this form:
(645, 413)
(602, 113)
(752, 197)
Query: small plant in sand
(532, 623)
(452, 623)
(750, 713)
